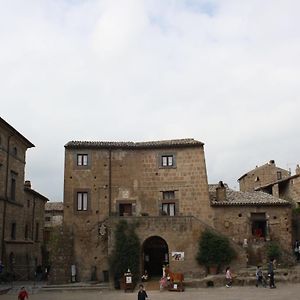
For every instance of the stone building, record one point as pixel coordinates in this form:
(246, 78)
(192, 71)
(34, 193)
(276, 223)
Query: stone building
(54, 213)
(161, 184)
(21, 207)
(286, 188)
(254, 217)
(262, 175)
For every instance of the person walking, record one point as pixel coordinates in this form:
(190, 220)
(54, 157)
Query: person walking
(271, 273)
(228, 277)
(23, 294)
(142, 295)
(297, 249)
(259, 277)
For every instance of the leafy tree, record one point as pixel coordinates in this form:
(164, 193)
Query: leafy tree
(214, 250)
(126, 253)
(273, 250)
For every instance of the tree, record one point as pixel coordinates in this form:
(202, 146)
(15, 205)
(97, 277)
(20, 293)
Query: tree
(126, 253)
(214, 250)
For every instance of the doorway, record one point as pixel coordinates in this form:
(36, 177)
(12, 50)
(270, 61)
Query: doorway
(155, 255)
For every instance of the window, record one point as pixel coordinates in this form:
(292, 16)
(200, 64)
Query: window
(279, 175)
(82, 201)
(13, 231)
(82, 159)
(26, 231)
(259, 225)
(125, 209)
(168, 209)
(167, 161)
(15, 151)
(37, 228)
(13, 189)
(169, 195)
(28, 203)
(47, 219)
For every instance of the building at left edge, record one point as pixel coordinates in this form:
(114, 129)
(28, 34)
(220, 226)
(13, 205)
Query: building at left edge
(21, 208)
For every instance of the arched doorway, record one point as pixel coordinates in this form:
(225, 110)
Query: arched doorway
(155, 255)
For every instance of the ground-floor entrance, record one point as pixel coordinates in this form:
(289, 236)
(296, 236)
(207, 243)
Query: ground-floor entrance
(155, 255)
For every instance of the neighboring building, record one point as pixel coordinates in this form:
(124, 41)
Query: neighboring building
(21, 208)
(255, 216)
(54, 213)
(261, 176)
(161, 184)
(287, 188)
(278, 183)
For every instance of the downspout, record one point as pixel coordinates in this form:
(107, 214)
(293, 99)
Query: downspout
(6, 197)
(109, 182)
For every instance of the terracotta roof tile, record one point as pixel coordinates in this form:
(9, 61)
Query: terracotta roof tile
(244, 198)
(134, 145)
(54, 206)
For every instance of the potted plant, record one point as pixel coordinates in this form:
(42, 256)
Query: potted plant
(214, 251)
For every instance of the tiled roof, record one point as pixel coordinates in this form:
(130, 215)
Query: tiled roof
(236, 198)
(134, 145)
(54, 206)
(30, 190)
(277, 182)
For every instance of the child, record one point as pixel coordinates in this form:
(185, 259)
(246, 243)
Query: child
(259, 277)
(23, 294)
(228, 277)
(142, 295)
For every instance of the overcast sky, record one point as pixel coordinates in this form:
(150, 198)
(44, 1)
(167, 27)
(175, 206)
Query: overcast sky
(224, 72)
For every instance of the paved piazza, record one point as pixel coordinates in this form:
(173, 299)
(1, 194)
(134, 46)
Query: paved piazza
(283, 292)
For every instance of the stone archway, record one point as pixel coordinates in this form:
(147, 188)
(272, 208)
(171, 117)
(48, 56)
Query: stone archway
(155, 255)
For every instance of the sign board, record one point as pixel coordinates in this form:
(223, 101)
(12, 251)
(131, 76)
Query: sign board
(177, 256)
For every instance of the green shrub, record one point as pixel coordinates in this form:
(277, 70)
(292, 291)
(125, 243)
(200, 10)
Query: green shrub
(126, 253)
(273, 250)
(214, 250)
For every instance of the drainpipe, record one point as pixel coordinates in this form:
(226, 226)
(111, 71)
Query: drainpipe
(109, 182)
(6, 197)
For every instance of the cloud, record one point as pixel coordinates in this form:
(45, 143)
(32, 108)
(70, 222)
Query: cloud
(224, 72)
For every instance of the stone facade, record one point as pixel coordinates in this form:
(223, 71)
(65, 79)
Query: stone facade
(261, 176)
(254, 217)
(21, 208)
(54, 213)
(162, 184)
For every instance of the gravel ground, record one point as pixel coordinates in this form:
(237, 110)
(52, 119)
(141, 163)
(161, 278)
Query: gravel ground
(283, 292)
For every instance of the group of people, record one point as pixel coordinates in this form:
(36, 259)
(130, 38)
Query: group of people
(260, 279)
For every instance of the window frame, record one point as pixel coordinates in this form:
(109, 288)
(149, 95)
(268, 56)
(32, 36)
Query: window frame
(167, 160)
(13, 188)
(82, 159)
(13, 231)
(168, 211)
(82, 207)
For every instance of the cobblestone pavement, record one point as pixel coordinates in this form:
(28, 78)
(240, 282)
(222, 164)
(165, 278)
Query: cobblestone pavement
(283, 292)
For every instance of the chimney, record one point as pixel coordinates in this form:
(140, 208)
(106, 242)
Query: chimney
(221, 192)
(272, 162)
(27, 184)
(298, 170)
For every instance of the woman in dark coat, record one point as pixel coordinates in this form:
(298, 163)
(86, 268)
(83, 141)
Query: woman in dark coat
(142, 295)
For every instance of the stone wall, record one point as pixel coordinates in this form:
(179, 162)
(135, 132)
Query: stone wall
(235, 222)
(136, 177)
(261, 176)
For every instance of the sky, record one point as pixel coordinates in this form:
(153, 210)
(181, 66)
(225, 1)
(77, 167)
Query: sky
(224, 72)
